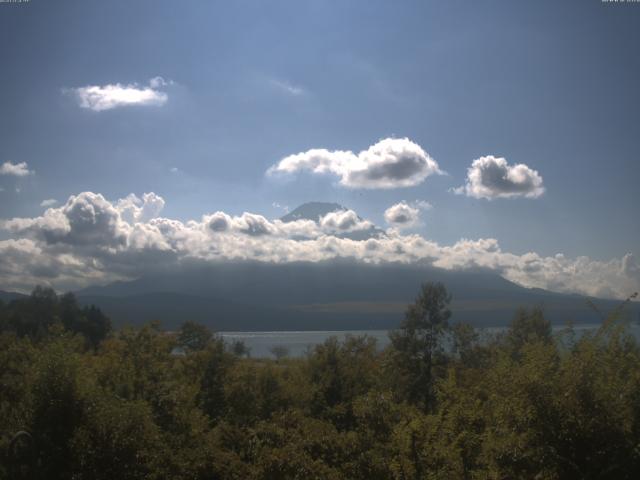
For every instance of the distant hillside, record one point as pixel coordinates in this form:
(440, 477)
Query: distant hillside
(338, 295)
(312, 211)
(8, 296)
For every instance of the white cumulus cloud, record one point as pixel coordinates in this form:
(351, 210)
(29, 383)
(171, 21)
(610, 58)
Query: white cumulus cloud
(90, 239)
(16, 169)
(106, 97)
(492, 177)
(343, 221)
(402, 215)
(133, 209)
(390, 163)
(50, 202)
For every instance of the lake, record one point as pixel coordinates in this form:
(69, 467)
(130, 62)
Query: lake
(297, 343)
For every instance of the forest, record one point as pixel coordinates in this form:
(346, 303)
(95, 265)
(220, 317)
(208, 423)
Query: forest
(81, 400)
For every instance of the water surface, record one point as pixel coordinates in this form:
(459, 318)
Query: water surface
(298, 343)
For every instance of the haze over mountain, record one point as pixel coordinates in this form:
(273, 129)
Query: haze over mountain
(332, 295)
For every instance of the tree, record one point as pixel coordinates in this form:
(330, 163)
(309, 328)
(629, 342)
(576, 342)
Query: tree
(464, 340)
(89, 321)
(240, 349)
(279, 352)
(194, 336)
(96, 325)
(211, 396)
(37, 314)
(526, 327)
(33, 315)
(339, 372)
(417, 345)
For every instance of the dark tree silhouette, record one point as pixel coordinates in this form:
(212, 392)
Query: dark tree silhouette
(194, 336)
(418, 343)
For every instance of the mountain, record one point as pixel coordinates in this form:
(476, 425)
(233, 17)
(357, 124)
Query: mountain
(312, 211)
(339, 294)
(316, 210)
(335, 295)
(8, 296)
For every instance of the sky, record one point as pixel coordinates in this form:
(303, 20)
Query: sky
(506, 131)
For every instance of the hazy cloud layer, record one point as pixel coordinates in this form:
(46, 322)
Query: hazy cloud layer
(106, 97)
(91, 240)
(16, 169)
(390, 163)
(492, 177)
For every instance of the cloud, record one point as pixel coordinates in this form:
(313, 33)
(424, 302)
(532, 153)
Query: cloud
(390, 163)
(422, 204)
(342, 221)
(85, 219)
(253, 225)
(288, 88)
(48, 203)
(630, 266)
(25, 263)
(133, 209)
(106, 97)
(492, 177)
(90, 240)
(16, 169)
(219, 222)
(159, 82)
(402, 215)
(284, 208)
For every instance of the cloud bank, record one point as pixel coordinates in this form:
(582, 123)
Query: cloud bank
(91, 240)
(107, 97)
(492, 177)
(390, 163)
(16, 169)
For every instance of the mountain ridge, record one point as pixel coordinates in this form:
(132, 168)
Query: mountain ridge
(340, 295)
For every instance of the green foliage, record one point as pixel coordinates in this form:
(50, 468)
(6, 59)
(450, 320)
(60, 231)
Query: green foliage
(125, 449)
(339, 373)
(464, 341)
(417, 346)
(216, 365)
(279, 352)
(35, 315)
(527, 326)
(240, 349)
(524, 404)
(194, 336)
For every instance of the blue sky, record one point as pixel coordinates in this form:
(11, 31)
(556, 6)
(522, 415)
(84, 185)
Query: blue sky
(551, 85)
